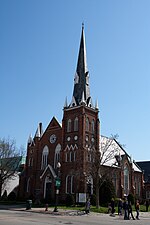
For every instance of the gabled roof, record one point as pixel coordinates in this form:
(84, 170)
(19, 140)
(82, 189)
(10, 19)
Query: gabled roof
(53, 124)
(112, 152)
(11, 163)
(50, 168)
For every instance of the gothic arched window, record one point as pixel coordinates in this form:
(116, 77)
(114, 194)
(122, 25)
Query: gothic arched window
(76, 124)
(44, 157)
(57, 155)
(69, 125)
(87, 124)
(70, 184)
(126, 180)
(93, 126)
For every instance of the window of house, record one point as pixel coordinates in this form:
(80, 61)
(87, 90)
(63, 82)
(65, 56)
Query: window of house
(69, 125)
(76, 124)
(57, 155)
(44, 157)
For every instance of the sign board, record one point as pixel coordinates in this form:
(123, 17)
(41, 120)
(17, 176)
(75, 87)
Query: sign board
(82, 197)
(58, 182)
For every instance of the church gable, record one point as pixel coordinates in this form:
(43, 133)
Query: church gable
(53, 125)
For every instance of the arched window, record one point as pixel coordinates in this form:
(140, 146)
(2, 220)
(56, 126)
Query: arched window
(76, 124)
(57, 155)
(70, 184)
(87, 124)
(93, 126)
(69, 125)
(126, 180)
(44, 157)
(30, 163)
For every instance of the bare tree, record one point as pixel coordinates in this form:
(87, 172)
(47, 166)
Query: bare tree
(9, 161)
(103, 159)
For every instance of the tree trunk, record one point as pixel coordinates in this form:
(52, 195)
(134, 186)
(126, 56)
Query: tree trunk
(97, 193)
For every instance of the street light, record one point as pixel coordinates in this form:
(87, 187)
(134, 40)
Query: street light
(57, 186)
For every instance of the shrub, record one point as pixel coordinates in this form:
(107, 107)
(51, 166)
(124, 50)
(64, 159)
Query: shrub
(70, 200)
(107, 192)
(12, 196)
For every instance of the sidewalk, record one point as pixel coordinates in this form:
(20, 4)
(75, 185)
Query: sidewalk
(42, 210)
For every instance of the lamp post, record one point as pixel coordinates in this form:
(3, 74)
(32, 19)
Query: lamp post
(57, 186)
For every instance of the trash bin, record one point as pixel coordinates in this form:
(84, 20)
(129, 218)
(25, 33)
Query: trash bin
(28, 204)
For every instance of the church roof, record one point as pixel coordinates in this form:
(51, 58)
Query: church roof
(112, 153)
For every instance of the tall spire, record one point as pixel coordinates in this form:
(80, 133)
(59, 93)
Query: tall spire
(81, 80)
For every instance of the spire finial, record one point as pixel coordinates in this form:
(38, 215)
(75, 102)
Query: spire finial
(82, 25)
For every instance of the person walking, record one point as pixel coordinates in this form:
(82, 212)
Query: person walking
(147, 205)
(125, 207)
(120, 205)
(137, 208)
(112, 207)
(87, 206)
(130, 211)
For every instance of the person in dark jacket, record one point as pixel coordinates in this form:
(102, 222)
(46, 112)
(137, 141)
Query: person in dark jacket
(130, 211)
(120, 205)
(125, 207)
(87, 206)
(147, 205)
(112, 206)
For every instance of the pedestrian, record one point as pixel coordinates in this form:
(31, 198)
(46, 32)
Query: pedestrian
(87, 206)
(112, 207)
(130, 211)
(147, 205)
(120, 205)
(137, 208)
(109, 208)
(125, 207)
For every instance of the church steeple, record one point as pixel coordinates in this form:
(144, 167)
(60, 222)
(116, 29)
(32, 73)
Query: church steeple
(81, 80)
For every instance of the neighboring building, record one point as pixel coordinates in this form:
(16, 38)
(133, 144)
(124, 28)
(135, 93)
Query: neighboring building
(125, 174)
(9, 172)
(73, 144)
(145, 166)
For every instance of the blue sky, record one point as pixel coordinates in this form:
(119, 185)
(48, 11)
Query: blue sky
(39, 43)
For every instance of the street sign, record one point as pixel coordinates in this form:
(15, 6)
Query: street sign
(58, 182)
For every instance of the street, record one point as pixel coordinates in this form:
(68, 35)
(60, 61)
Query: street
(12, 217)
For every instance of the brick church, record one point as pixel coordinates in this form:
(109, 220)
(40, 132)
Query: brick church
(60, 157)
